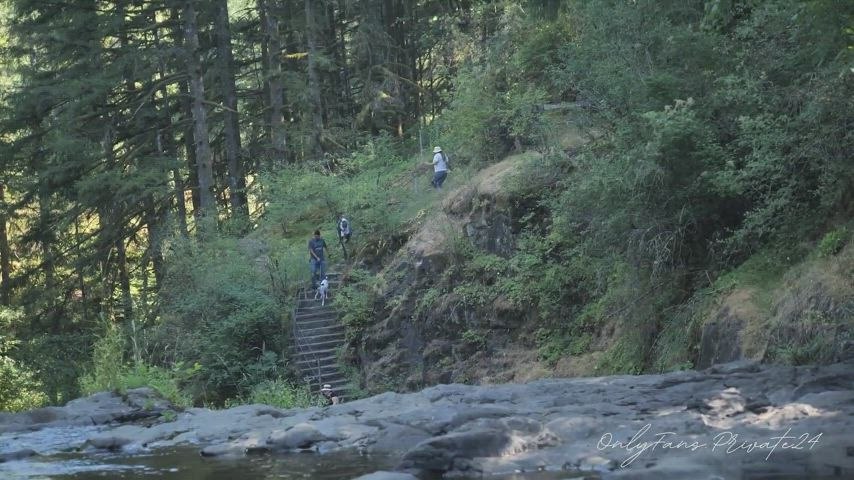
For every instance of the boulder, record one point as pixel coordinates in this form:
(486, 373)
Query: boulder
(299, 437)
(387, 476)
(17, 455)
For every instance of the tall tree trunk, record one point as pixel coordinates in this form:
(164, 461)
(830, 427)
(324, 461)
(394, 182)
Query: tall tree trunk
(155, 239)
(264, 86)
(234, 162)
(5, 261)
(165, 138)
(345, 72)
(190, 148)
(272, 38)
(204, 157)
(187, 135)
(81, 278)
(110, 231)
(124, 280)
(49, 264)
(315, 101)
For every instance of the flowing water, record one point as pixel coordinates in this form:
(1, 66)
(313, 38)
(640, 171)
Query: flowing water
(185, 463)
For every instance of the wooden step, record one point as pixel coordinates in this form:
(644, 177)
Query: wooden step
(317, 309)
(320, 345)
(322, 337)
(308, 332)
(326, 365)
(316, 317)
(328, 372)
(303, 326)
(309, 302)
(309, 353)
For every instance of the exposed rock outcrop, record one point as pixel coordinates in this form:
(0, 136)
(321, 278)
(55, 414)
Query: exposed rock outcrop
(739, 420)
(99, 409)
(416, 340)
(804, 317)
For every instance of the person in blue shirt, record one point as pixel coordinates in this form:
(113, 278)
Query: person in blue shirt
(440, 168)
(317, 259)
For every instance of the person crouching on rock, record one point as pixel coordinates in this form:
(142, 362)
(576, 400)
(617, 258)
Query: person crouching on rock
(329, 395)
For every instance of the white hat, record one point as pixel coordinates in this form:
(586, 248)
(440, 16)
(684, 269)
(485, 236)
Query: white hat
(326, 387)
(437, 149)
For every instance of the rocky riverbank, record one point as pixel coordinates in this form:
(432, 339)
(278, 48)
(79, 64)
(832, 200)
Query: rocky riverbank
(733, 421)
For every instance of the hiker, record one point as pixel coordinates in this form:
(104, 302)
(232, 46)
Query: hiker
(329, 395)
(440, 168)
(317, 260)
(344, 231)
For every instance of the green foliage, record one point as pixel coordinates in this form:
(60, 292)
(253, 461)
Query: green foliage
(762, 271)
(474, 294)
(627, 356)
(497, 101)
(549, 347)
(168, 382)
(486, 267)
(279, 393)
(219, 311)
(60, 360)
(426, 301)
(677, 342)
(816, 338)
(475, 339)
(19, 388)
(832, 242)
(354, 302)
(556, 343)
(108, 363)
(720, 137)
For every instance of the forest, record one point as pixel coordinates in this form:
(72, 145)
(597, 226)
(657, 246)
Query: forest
(152, 151)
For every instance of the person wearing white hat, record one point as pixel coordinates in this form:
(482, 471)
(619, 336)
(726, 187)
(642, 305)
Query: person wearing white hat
(440, 167)
(329, 395)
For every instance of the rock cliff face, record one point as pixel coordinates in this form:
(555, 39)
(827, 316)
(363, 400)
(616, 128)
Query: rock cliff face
(424, 333)
(805, 317)
(419, 339)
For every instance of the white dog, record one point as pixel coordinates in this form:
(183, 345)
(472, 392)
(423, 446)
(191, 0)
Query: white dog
(322, 291)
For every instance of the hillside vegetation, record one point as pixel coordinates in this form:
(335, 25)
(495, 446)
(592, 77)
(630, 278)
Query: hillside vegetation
(634, 186)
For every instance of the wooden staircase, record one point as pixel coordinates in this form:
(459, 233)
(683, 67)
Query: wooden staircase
(317, 336)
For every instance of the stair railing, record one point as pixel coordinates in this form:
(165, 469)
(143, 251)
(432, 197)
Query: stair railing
(301, 346)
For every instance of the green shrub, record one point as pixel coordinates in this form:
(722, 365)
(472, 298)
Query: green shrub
(474, 294)
(354, 303)
(19, 389)
(815, 338)
(108, 363)
(282, 394)
(475, 339)
(832, 242)
(168, 382)
(220, 310)
(427, 301)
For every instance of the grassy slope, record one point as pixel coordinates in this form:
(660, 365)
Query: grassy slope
(764, 293)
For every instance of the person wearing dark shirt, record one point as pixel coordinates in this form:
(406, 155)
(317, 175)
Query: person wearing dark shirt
(317, 259)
